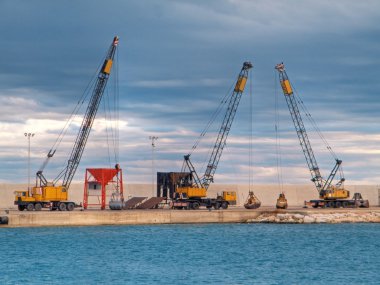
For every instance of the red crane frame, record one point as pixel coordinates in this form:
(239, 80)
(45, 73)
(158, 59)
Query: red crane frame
(102, 176)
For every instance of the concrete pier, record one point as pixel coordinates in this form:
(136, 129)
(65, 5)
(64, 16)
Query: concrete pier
(296, 195)
(47, 218)
(125, 217)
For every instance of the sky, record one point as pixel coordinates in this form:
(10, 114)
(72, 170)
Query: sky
(176, 60)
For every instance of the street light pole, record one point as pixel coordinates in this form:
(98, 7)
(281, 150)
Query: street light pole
(28, 136)
(153, 138)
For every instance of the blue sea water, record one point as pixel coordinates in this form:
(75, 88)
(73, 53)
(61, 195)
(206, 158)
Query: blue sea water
(192, 254)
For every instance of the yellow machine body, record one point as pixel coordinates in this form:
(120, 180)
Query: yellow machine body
(282, 202)
(240, 84)
(192, 191)
(286, 87)
(335, 193)
(23, 196)
(229, 196)
(107, 66)
(43, 194)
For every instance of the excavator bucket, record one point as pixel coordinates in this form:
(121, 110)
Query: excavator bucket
(282, 202)
(252, 201)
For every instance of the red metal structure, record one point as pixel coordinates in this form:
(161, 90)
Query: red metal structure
(99, 178)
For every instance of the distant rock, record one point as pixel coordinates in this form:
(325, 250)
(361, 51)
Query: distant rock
(298, 216)
(308, 220)
(322, 218)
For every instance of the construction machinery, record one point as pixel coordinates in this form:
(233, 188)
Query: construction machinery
(191, 192)
(49, 194)
(252, 201)
(329, 195)
(282, 202)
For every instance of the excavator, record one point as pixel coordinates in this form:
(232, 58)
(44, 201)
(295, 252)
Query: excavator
(191, 192)
(47, 194)
(332, 196)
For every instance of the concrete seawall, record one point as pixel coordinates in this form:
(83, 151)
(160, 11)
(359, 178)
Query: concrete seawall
(127, 217)
(296, 194)
(166, 216)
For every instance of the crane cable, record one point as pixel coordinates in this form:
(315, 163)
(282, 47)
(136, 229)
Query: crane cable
(77, 108)
(250, 170)
(111, 114)
(313, 123)
(316, 128)
(278, 138)
(69, 122)
(222, 106)
(212, 119)
(73, 115)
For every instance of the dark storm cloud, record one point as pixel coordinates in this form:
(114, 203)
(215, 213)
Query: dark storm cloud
(177, 59)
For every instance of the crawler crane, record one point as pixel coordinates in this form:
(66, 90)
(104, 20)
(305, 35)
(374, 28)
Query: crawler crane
(192, 192)
(330, 195)
(48, 194)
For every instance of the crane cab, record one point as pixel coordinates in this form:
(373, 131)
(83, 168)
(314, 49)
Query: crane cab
(23, 196)
(334, 193)
(191, 192)
(229, 196)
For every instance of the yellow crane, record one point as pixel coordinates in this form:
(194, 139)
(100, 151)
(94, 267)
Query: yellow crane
(48, 194)
(330, 195)
(192, 192)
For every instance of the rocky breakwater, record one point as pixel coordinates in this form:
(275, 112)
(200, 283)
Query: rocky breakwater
(317, 218)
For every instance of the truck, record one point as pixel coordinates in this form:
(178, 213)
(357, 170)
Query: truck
(182, 201)
(46, 194)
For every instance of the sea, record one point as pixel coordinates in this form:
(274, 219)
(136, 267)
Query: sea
(192, 254)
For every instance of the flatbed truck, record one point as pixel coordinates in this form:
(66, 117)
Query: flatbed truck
(356, 202)
(194, 203)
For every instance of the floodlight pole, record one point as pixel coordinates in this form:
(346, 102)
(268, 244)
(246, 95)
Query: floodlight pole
(29, 136)
(153, 139)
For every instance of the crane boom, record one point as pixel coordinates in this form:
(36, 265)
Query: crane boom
(89, 117)
(192, 189)
(224, 130)
(323, 186)
(46, 194)
(300, 128)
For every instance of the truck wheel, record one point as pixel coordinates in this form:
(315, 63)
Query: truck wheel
(195, 206)
(21, 207)
(217, 206)
(338, 204)
(345, 204)
(70, 206)
(62, 206)
(30, 207)
(38, 207)
(330, 204)
(224, 205)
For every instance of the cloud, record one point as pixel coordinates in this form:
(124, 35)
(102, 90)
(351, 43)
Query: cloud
(176, 61)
